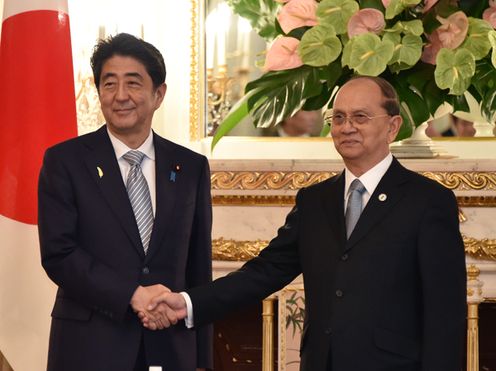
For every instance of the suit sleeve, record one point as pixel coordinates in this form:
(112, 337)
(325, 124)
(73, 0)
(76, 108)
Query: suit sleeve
(275, 267)
(443, 276)
(81, 277)
(199, 268)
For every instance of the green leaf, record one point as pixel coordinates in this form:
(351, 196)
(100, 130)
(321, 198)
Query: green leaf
(395, 7)
(369, 54)
(237, 113)
(454, 70)
(477, 41)
(488, 105)
(485, 76)
(278, 95)
(319, 46)
(492, 40)
(260, 13)
(407, 53)
(320, 100)
(336, 13)
(376, 4)
(414, 27)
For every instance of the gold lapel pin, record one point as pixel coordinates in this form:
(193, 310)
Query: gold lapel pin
(382, 197)
(100, 171)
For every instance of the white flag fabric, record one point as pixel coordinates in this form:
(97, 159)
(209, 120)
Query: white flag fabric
(37, 110)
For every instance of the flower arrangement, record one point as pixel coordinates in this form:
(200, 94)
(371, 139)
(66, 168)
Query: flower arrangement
(431, 51)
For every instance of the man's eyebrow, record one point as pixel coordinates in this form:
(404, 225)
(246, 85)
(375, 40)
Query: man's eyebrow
(129, 74)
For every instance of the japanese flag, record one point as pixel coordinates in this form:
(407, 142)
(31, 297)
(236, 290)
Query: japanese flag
(37, 110)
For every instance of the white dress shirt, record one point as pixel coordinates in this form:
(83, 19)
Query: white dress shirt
(147, 165)
(369, 179)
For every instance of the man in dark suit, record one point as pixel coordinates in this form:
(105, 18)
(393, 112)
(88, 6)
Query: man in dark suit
(123, 215)
(385, 294)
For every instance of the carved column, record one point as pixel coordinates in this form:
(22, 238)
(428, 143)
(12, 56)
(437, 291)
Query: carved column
(268, 335)
(474, 298)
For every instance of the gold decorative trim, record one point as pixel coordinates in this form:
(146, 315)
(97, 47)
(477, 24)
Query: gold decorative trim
(464, 180)
(280, 200)
(234, 250)
(194, 83)
(480, 249)
(266, 180)
(252, 200)
(293, 180)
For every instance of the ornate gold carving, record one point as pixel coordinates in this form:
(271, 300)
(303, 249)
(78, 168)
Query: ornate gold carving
(280, 200)
(233, 250)
(266, 180)
(252, 200)
(293, 180)
(464, 180)
(194, 83)
(482, 249)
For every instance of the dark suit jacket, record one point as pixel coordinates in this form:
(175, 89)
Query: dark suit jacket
(91, 248)
(391, 298)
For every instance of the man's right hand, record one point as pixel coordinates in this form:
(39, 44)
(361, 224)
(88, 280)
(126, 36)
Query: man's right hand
(143, 296)
(166, 304)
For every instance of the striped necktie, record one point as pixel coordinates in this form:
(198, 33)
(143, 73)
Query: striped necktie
(354, 206)
(139, 195)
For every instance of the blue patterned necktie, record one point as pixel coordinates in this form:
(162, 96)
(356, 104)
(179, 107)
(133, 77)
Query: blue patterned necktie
(354, 206)
(139, 195)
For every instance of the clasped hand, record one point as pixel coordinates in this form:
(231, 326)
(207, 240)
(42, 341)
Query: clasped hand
(158, 307)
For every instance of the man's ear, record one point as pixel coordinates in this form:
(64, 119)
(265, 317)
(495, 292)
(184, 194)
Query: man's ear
(160, 94)
(394, 127)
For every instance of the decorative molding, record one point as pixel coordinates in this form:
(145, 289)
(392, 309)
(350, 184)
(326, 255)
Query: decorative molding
(194, 83)
(480, 249)
(234, 250)
(293, 180)
(252, 200)
(466, 180)
(267, 180)
(285, 200)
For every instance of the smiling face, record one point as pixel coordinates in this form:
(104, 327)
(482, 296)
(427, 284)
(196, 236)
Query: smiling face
(128, 99)
(362, 146)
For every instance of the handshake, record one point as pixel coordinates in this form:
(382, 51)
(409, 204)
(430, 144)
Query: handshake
(158, 307)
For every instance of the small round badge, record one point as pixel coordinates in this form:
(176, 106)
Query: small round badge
(382, 197)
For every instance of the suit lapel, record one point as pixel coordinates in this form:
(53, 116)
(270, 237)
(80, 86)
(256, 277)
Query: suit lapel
(166, 189)
(102, 165)
(333, 202)
(385, 196)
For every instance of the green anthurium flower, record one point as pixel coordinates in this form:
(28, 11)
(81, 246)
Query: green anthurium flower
(477, 41)
(337, 13)
(369, 54)
(406, 53)
(408, 27)
(346, 57)
(454, 70)
(319, 46)
(492, 39)
(395, 7)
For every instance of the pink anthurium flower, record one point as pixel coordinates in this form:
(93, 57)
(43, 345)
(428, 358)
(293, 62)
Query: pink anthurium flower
(453, 30)
(450, 35)
(489, 14)
(385, 3)
(282, 1)
(366, 20)
(283, 55)
(297, 13)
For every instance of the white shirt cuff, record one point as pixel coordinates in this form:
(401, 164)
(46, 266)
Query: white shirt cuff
(189, 306)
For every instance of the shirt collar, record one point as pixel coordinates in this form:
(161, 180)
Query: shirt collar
(371, 178)
(121, 149)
